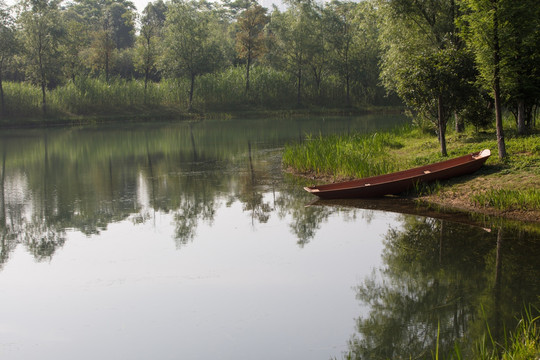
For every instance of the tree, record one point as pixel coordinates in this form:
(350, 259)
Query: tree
(152, 23)
(339, 18)
(294, 39)
(482, 29)
(103, 47)
(250, 42)
(520, 73)
(7, 46)
(352, 36)
(423, 61)
(76, 42)
(437, 84)
(122, 17)
(121, 14)
(42, 32)
(192, 42)
(112, 26)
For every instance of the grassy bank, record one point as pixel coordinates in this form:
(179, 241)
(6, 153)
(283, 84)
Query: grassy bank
(508, 187)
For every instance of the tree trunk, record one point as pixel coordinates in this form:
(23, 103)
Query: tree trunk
(107, 66)
(442, 126)
(43, 81)
(146, 77)
(460, 126)
(348, 89)
(191, 87)
(497, 82)
(521, 128)
(299, 87)
(248, 65)
(44, 99)
(2, 101)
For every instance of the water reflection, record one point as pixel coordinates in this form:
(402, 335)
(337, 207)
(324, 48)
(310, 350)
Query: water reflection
(87, 178)
(444, 279)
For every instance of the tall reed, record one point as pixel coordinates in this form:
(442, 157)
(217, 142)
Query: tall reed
(354, 155)
(225, 89)
(22, 99)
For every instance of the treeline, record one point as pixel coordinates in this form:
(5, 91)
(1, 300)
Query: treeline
(87, 55)
(448, 59)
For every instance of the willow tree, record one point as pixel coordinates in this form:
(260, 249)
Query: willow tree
(41, 34)
(192, 42)
(250, 40)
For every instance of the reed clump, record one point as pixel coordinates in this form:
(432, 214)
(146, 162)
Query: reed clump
(343, 156)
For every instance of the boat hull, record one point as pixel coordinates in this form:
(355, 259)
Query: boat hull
(398, 182)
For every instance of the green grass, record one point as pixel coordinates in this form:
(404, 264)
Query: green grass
(507, 199)
(521, 344)
(354, 155)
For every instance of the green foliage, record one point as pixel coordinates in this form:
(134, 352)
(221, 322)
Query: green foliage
(41, 34)
(351, 33)
(192, 42)
(250, 39)
(423, 61)
(7, 46)
(148, 43)
(296, 41)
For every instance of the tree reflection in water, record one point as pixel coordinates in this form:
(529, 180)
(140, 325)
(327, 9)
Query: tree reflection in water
(86, 179)
(440, 283)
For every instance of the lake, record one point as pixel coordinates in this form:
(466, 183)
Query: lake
(186, 241)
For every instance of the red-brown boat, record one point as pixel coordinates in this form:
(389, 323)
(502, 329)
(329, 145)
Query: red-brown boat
(401, 181)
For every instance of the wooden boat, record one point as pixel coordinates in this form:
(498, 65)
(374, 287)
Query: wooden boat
(401, 181)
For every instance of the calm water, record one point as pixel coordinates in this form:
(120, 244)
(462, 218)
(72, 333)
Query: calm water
(185, 241)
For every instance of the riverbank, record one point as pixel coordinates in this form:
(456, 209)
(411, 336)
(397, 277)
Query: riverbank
(509, 188)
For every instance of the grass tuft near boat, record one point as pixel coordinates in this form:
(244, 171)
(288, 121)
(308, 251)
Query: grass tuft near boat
(398, 182)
